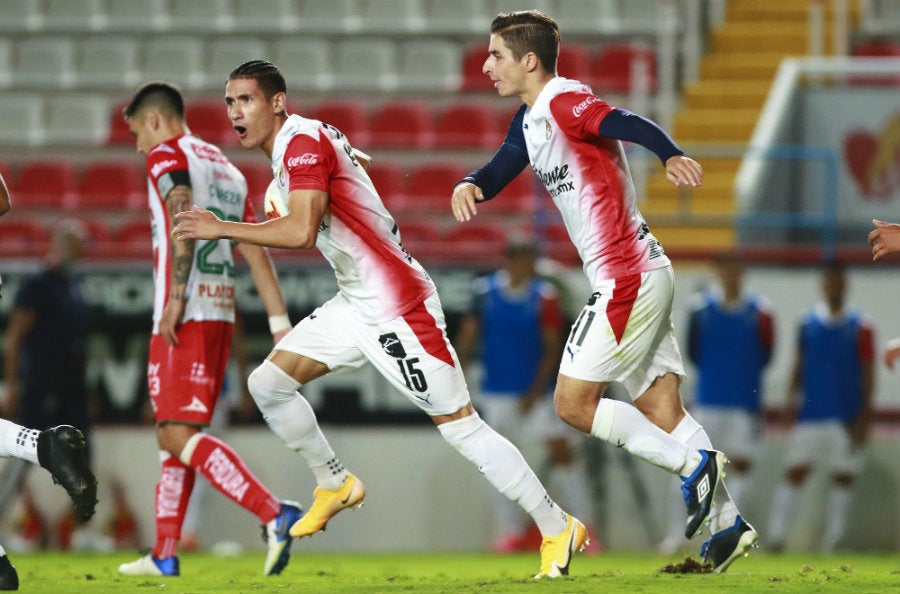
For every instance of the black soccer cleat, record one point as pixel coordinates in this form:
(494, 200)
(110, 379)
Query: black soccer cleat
(61, 450)
(725, 546)
(9, 579)
(699, 489)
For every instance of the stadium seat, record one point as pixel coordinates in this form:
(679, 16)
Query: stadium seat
(387, 177)
(76, 119)
(265, 16)
(429, 186)
(133, 239)
(46, 184)
(208, 119)
(473, 79)
(401, 125)
(23, 238)
(6, 62)
(134, 16)
(204, 16)
(109, 62)
(557, 245)
(74, 15)
(176, 59)
(45, 62)
(466, 125)
(422, 239)
(520, 196)
(305, 62)
(22, 119)
(226, 55)
(6, 172)
(118, 132)
(429, 65)
(474, 241)
(393, 16)
(587, 16)
(366, 64)
(611, 69)
(505, 6)
(574, 62)
(639, 15)
(258, 175)
(20, 16)
(114, 184)
(329, 16)
(457, 17)
(346, 115)
(99, 242)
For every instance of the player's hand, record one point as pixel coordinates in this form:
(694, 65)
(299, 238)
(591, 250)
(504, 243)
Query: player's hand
(363, 159)
(684, 171)
(197, 223)
(463, 200)
(884, 239)
(171, 320)
(891, 352)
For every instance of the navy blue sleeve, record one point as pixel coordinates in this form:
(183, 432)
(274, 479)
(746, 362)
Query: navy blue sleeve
(624, 125)
(508, 162)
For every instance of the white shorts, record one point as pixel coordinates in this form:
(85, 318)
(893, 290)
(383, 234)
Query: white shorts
(411, 351)
(541, 423)
(625, 333)
(733, 431)
(823, 442)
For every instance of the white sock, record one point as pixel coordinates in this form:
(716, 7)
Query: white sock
(624, 426)
(2, 551)
(505, 468)
(291, 418)
(17, 441)
(782, 506)
(724, 510)
(838, 502)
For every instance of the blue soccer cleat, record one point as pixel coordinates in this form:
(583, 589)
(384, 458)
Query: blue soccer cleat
(277, 536)
(699, 489)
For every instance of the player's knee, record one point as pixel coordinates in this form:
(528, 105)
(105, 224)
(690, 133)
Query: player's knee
(268, 385)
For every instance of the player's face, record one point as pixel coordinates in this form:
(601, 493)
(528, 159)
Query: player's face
(507, 73)
(253, 116)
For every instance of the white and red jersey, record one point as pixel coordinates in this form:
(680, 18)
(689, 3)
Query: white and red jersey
(216, 185)
(587, 177)
(358, 236)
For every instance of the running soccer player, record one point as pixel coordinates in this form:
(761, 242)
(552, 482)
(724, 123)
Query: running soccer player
(193, 319)
(387, 311)
(624, 333)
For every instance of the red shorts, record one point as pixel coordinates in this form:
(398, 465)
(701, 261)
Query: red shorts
(185, 380)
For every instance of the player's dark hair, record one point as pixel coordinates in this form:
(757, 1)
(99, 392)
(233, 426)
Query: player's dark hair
(529, 31)
(163, 96)
(266, 75)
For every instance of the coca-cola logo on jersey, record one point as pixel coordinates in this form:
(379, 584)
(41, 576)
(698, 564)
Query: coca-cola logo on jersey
(579, 109)
(304, 159)
(162, 166)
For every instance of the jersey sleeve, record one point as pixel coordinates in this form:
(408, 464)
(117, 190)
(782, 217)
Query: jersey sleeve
(579, 114)
(308, 163)
(167, 167)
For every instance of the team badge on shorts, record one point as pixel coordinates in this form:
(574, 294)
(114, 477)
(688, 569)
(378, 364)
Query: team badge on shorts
(392, 346)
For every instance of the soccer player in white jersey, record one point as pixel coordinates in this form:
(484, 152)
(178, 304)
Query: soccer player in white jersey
(193, 319)
(624, 333)
(386, 312)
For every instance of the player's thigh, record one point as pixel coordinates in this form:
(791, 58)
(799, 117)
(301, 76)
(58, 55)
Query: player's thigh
(413, 353)
(184, 380)
(624, 334)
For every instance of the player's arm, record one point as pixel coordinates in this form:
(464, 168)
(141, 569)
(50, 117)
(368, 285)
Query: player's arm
(297, 229)
(5, 204)
(177, 200)
(485, 183)
(859, 430)
(693, 337)
(766, 332)
(21, 321)
(262, 269)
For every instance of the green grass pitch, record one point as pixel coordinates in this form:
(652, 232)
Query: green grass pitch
(338, 573)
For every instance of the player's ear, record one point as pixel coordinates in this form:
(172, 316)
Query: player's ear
(279, 103)
(531, 62)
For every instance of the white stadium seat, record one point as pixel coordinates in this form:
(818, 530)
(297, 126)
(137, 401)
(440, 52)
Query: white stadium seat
(459, 16)
(175, 59)
(76, 119)
(109, 62)
(45, 62)
(21, 16)
(305, 62)
(137, 15)
(393, 16)
(226, 54)
(74, 15)
(366, 64)
(22, 119)
(430, 65)
(201, 15)
(329, 16)
(6, 62)
(586, 16)
(264, 16)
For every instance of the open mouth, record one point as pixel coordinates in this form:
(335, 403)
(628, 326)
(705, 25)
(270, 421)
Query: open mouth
(241, 131)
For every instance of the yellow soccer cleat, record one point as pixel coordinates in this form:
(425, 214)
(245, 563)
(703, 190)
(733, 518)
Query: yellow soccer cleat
(326, 504)
(556, 551)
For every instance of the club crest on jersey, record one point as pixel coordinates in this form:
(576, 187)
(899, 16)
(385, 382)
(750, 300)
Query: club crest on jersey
(548, 129)
(280, 176)
(390, 342)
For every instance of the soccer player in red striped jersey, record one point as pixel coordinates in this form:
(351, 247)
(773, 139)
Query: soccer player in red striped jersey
(571, 139)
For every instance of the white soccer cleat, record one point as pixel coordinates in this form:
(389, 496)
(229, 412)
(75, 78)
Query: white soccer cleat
(150, 565)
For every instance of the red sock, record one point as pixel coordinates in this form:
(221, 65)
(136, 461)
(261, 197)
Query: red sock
(226, 472)
(172, 494)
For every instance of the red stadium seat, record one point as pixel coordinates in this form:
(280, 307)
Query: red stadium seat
(112, 184)
(520, 196)
(574, 62)
(421, 238)
(348, 116)
(99, 242)
(208, 119)
(473, 79)
(558, 246)
(611, 67)
(22, 238)
(401, 125)
(474, 241)
(46, 183)
(6, 172)
(133, 239)
(466, 125)
(388, 180)
(119, 134)
(430, 185)
(258, 175)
